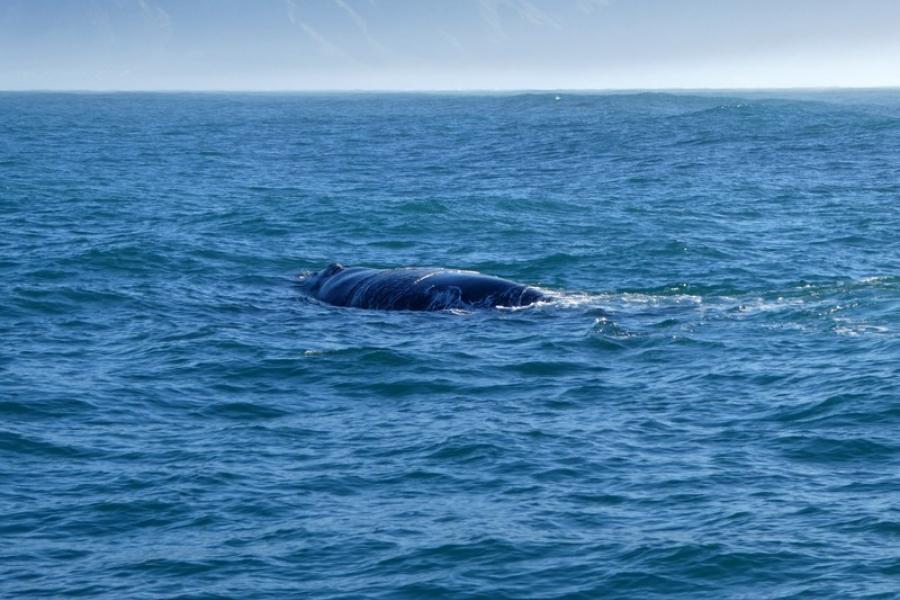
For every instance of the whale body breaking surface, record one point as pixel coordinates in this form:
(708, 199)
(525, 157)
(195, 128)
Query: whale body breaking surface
(413, 288)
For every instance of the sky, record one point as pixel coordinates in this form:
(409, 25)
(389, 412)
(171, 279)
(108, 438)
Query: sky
(447, 44)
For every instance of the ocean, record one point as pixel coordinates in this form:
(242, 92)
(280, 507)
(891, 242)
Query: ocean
(709, 407)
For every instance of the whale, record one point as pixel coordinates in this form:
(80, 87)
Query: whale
(415, 288)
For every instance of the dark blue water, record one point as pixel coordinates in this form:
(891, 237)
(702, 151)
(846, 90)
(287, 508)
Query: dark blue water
(709, 409)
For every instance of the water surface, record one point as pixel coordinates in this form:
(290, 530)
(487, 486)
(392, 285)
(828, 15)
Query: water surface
(710, 409)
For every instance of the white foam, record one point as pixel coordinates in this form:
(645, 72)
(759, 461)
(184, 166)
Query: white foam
(852, 328)
(763, 305)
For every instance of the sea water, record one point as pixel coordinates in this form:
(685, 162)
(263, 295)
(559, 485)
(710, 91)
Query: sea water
(709, 408)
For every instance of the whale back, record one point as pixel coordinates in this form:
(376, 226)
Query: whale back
(417, 289)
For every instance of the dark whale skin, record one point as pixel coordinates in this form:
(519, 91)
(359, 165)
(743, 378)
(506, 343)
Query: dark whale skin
(415, 289)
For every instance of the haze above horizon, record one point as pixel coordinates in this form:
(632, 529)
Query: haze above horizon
(504, 45)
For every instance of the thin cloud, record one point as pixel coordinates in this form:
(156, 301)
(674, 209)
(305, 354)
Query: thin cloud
(531, 13)
(452, 40)
(589, 6)
(361, 25)
(320, 39)
(156, 14)
(524, 9)
(325, 45)
(291, 10)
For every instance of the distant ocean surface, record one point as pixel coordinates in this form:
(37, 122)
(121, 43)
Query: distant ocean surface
(709, 409)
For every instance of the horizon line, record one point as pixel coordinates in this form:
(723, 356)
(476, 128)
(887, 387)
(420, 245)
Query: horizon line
(824, 88)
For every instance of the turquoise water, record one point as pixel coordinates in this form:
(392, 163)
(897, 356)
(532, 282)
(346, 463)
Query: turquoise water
(708, 409)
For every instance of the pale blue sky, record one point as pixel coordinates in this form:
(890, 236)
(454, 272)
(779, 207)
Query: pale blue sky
(447, 44)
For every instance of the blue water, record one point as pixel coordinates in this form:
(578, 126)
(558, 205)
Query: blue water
(708, 409)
